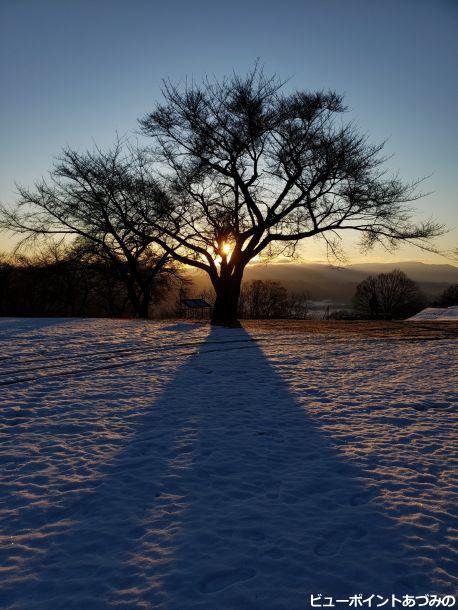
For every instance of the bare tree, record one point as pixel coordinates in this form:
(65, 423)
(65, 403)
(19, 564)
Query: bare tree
(252, 169)
(6, 273)
(263, 299)
(449, 297)
(45, 283)
(366, 300)
(67, 280)
(388, 295)
(97, 197)
(298, 305)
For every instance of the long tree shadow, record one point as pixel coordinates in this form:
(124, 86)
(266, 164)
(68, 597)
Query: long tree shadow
(228, 496)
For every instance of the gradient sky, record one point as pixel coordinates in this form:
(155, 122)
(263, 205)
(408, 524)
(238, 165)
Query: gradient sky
(75, 72)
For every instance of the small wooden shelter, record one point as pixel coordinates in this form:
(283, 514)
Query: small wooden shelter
(195, 308)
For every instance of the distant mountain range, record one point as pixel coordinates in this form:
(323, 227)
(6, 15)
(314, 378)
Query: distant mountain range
(338, 284)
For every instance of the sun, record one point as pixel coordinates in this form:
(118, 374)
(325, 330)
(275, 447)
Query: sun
(223, 251)
(226, 249)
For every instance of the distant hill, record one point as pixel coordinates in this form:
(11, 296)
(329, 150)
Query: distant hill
(420, 272)
(339, 283)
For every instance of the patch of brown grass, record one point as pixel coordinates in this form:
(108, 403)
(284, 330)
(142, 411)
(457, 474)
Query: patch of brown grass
(422, 330)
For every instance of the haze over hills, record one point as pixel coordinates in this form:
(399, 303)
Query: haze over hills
(338, 284)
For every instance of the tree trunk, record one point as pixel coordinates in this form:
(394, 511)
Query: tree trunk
(144, 301)
(227, 300)
(140, 301)
(143, 308)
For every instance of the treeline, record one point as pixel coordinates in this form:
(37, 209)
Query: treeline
(266, 299)
(386, 296)
(395, 296)
(80, 281)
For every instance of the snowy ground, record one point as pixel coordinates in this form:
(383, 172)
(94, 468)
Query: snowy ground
(437, 313)
(173, 466)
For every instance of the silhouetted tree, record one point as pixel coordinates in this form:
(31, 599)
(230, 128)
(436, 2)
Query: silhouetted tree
(252, 169)
(387, 296)
(449, 297)
(6, 271)
(101, 198)
(61, 280)
(51, 282)
(298, 305)
(263, 299)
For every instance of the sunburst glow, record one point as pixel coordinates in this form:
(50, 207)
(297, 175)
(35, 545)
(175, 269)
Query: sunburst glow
(223, 251)
(226, 249)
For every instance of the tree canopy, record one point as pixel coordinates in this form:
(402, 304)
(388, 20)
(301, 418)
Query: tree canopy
(388, 295)
(100, 198)
(253, 168)
(234, 169)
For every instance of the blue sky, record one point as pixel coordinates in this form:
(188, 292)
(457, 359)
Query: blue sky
(75, 72)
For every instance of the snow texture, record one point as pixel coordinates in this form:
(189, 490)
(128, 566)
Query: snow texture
(437, 313)
(178, 467)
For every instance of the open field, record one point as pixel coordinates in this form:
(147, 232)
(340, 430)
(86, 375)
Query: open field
(176, 466)
(360, 328)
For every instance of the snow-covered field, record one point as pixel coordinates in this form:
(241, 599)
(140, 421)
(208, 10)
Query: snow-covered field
(174, 466)
(437, 313)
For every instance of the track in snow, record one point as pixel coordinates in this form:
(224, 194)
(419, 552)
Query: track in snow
(124, 363)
